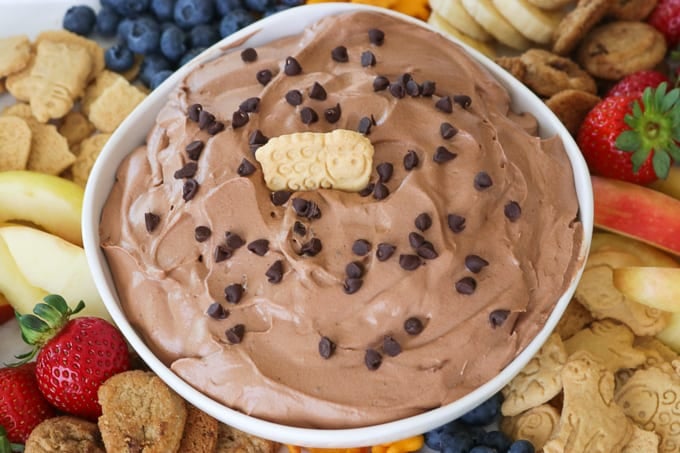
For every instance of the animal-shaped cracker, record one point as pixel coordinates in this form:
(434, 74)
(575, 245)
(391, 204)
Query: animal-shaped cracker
(15, 53)
(114, 104)
(575, 318)
(536, 425)
(95, 50)
(49, 149)
(88, 151)
(15, 143)
(591, 421)
(20, 109)
(539, 381)
(340, 159)
(75, 127)
(642, 441)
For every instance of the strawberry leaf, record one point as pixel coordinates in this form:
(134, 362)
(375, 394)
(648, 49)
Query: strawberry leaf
(628, 141)
(58, 302)
(47, 312)
(674, 151)
(669, 101)
(638, 158)
(661, 162)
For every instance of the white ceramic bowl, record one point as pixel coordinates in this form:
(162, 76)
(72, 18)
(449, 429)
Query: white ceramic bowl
(132, 133)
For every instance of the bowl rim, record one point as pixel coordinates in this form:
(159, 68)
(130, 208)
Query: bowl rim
(112, 154)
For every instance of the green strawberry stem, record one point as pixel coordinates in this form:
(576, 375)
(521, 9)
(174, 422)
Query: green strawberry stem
(46, 321)
(654, 128)
(5, 445)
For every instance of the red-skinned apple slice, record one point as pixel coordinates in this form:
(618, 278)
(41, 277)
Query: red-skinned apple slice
(657, 287)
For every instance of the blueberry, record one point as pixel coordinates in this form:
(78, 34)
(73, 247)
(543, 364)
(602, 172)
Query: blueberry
(459, 442)
(144, 36)
(497, 440)
(151, 65)
(190, 55)
(224, 7)
(433, 438)
(275, 9)
(119, 58)
(234, 21)
(130, 8)
(158, 78)
(485, 413)
(292, 2)
(80, 19)
(189, 13)
(123, 30)
(173, 43)
(259, 6)
(107, 22)
(483, 449)
(162, 9)
(476, 433)
(203, 36)
(521, 446)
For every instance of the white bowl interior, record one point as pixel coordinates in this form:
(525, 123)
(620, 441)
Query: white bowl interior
(132, 133)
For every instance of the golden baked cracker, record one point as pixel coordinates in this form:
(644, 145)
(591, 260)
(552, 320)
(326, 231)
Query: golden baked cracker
(15, 53)
(60, 74)
(15, 143)
(114, 104)
(591, 421)
(651, 398)
(64, 434)
(231, 440)
(536, 425)
(609, 342)
(577, 23)
(631, 9)
(200, 432)
(575, 318)
(547, 73)
(88, 151)
(93, 48)
(513, 65)
(643, 441)
(20, 109)
(571, 107)
(652, 344)
(140, 413)
(75, 127)
(539, 381)
(96, 88)
(49, 149)
(20, 84)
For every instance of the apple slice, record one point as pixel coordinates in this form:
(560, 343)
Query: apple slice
(657, 287)
(648, 255)
(670, 185)
(670, 335)
(13, 284)
(51, 202)
(612, 258)
(638, 212)
(54, 265)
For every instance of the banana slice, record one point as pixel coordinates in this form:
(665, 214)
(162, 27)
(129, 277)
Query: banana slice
(454, 13)
(532, 22)
(440, 24)
(486, 15)
(551, 4)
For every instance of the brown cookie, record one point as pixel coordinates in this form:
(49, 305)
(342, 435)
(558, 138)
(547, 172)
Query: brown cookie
(200, 432)
(15, 143)
(513, 65)
(577, 23)
(631, 9)
(548, 74)
(571, 107)
(140, 413)
(614, 50)
(65, 434)
(231, 440)
(15, 53)
(575, 318)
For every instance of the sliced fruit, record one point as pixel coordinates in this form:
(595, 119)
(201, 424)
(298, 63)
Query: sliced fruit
(452, 11)
(51, 202)
(441, 25)
(648, 255)
(657, 287)
(671, 185)
(670, 335)
(486, 15)
(638, 212)
(6, 310)
(612, 258)
(531, 21)
(14, 285)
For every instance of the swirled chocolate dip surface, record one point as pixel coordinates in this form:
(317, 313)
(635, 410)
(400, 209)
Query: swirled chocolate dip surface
(336, 309)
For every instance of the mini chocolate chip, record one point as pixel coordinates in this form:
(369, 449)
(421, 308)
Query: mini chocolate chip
(317, 92)
(384, 251)
(234, 241)
(222, 253)
(264, 76)
(475, 263)
(305, 208)
(412, 88)
(426, 250)
(391, 347)
(365, 124)
(188, 171)
(372, 359)
(205, 119)
(428, 88)
(294, 97)
(411, 160)
(292, 67)
(415, 239)
(239, 119)
(217, 311)
(397, 90)
(194, 149)
(280, 197)
(233, 293)
(194, 111)
(299, 228)
(308, 115)
(385, 171)
(339, 54)
(275, 272)
(202, 233)
(235, 334)
(512, 211)
(354, 269)
(482, 181)
(332, 114)
(498, 317)
(380, 191)
(352, 285)
(466, 285)
(447, 130)
(361, 247)
(380, 83)
(367, 59)
(442, 155)
(456, 222)
(463, 100)
(409, 262)
(260, 247)
(257, 139)
(444, 104)
(312, 247)
(151, 221)
(404, 78)
(189, 189)
(413, 326)
(423, 222)
(246, 168)
(248, 55)
(215, 127)
(326, 347)
(250, 105)
(376, 36)
(366, 191)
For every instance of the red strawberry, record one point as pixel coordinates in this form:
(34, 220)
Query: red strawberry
(22, 406)
(636, 83)
(666, 18)
(74, 356)
(633, 138)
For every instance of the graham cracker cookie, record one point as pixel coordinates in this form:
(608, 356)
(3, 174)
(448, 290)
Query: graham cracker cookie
(231, 440)
(65, 434)
(539, 381)
(75, 127)
(200, 432)
(548, 73)
(15, 53)
(88, 151)
(571, 107)
(15, 143)
(536, 425)
(114, 104)
(646, 344)
(96, 88)
(642, 441)
(513, 65)
(140, 413)
(575, 318)
(19, 84)
(577, 23)
(93, 48)
(631, 9)
(49, 149)
(20, 109)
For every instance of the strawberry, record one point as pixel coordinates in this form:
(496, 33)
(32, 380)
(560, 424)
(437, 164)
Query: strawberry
(636, 83)
(22, 406)
(666, 18)
(74, 356)
(633, 138)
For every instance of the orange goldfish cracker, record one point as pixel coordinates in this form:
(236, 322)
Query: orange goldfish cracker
(380, 3)
(410, 444)
(296, 449)
(415, 8)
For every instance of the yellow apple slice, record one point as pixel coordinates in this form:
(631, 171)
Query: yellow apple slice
(54, 265)
(612, 258)
(51, 202)
(657, 287)
(670, 335)
(14, 285)
(649, 255)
